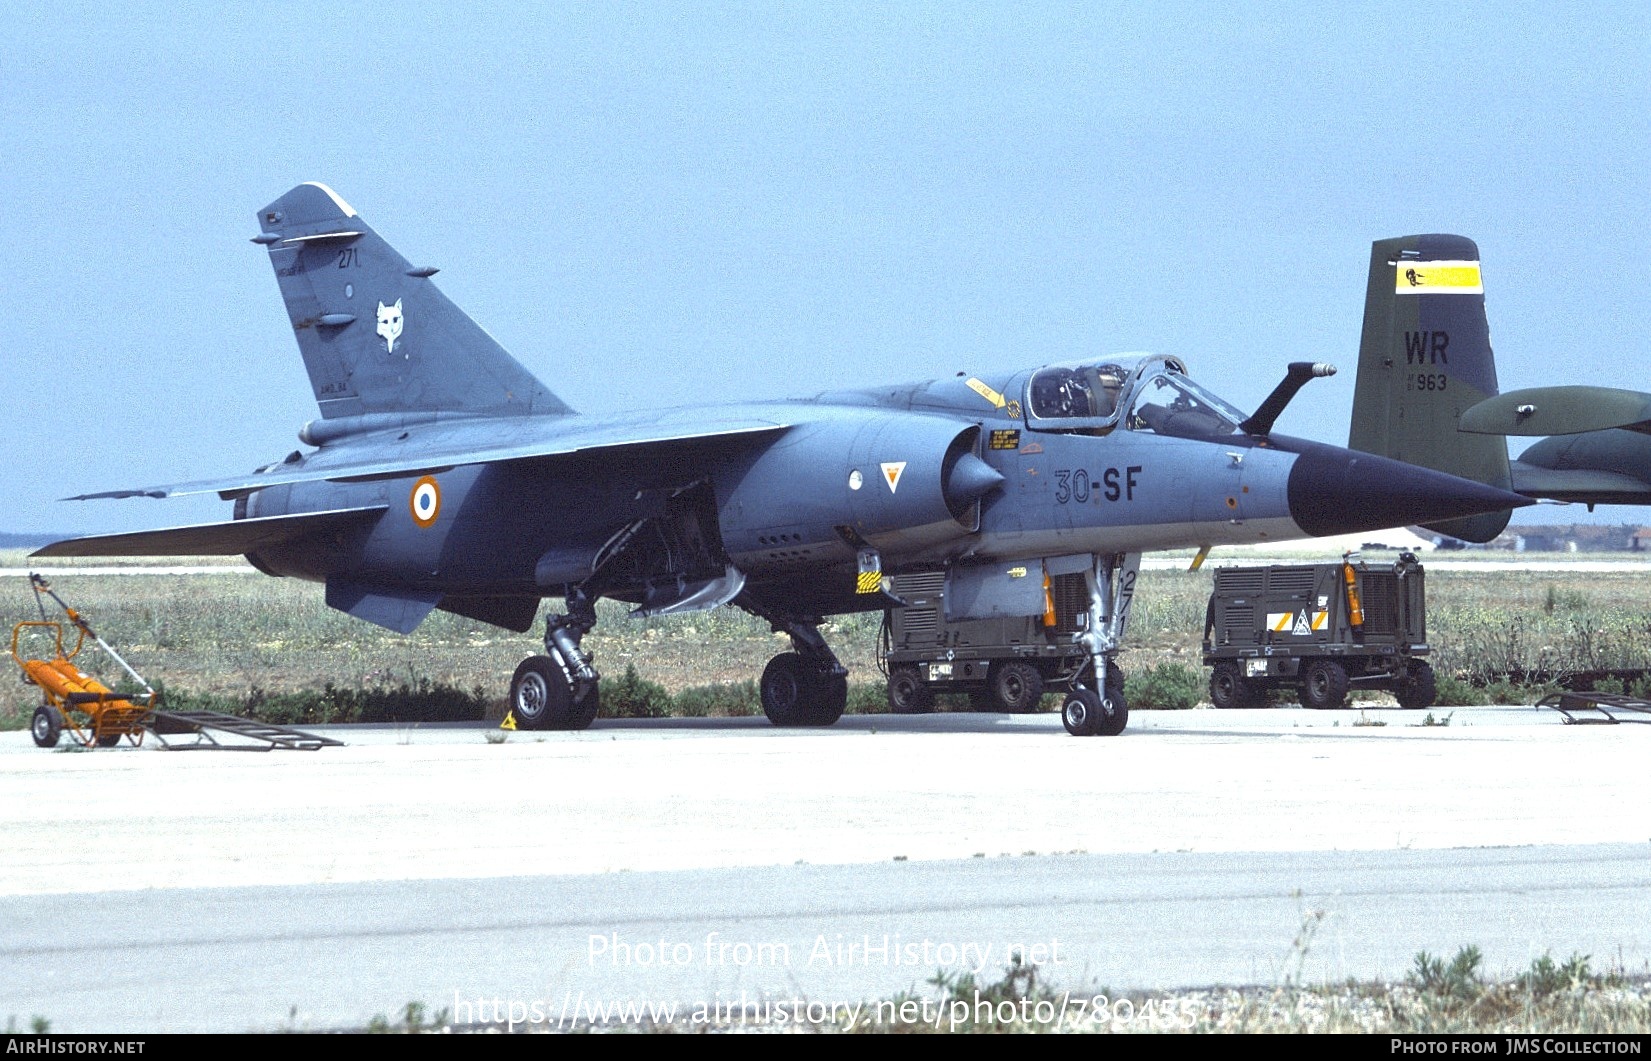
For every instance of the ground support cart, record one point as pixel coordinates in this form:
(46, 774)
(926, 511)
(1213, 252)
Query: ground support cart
(1319, 631)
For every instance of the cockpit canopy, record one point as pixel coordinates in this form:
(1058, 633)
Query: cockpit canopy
(1076, 392)
(1093, 397)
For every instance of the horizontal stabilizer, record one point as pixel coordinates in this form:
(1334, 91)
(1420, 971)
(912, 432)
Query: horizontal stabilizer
(214, 539)
(437, 447)
(1559, 411)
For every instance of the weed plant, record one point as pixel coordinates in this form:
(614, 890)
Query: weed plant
(1438, 996)
(238, 639)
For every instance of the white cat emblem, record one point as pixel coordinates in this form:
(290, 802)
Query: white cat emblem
(389, 325)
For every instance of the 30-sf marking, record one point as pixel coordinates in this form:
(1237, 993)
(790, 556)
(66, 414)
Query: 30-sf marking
(1112, 484)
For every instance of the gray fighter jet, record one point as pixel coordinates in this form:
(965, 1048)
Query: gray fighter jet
(1427, 393)
(442, 474)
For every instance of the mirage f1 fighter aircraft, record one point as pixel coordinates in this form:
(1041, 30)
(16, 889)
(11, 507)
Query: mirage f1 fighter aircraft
(442, 474)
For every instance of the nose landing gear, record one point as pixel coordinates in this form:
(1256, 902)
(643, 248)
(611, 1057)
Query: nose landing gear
(1087, 713)
(1097, 707)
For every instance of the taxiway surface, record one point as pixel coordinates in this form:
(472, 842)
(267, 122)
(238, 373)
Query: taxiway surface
(228, 891)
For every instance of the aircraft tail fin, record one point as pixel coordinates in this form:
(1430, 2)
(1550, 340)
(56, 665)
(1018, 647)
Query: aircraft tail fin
(1424, 359)
(375, 334)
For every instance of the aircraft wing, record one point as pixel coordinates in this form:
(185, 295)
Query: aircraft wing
(1590, 485)
(436, 447)
(1538, 411)
(213, 539)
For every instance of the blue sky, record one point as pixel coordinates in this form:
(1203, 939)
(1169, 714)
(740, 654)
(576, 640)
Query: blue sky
(671, 203)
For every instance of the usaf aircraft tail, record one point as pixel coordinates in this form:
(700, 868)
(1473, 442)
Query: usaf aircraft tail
(1424, 359)
(376, 335)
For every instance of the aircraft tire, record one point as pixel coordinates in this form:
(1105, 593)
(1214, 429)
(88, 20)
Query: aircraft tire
(1418, 688)
(1324, 685)
(539, 695)
(784, 690)
(1016, 687)
(1229, 689)
(827, 699)
(1114, 714)
(1080, 712)
(909, 694)
(796, 693)
(582, 713)
(46, 726)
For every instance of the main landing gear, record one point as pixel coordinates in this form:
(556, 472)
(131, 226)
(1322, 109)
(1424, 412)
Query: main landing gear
(807, 686)
(560, 689)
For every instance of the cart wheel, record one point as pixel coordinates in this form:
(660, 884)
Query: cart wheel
(46, 726)
(1229, 688)
(1016, 687)
(108, 740)
(908, 694)
(1324, 685)
(1417, 689)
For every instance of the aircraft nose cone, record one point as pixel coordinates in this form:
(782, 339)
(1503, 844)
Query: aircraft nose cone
(1337, 491)
(969, 480)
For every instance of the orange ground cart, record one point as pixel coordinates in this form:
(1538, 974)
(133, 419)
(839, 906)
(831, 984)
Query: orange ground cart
(93, 713)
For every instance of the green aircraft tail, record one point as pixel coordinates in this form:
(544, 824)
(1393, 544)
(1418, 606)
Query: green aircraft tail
(377, 337)
(1424, 359)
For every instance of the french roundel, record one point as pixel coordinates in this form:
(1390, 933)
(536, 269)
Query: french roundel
(425, 502)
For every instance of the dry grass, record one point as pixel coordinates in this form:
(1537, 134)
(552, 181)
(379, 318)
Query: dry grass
(229, 633)
(1546, 999)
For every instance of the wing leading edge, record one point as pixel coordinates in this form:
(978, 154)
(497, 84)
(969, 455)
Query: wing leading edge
(215, 539)
(435, 448)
